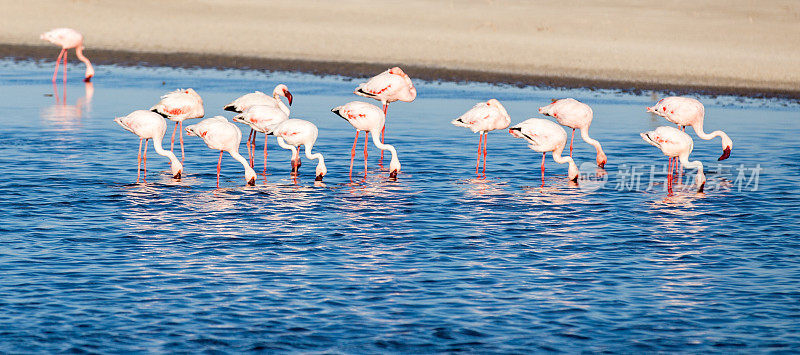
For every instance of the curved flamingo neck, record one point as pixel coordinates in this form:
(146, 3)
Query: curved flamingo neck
(82, 58)
(376, 139)
(573, 169)
(281, 105)
(592, 141)
(247, 169)
(160, 150)
(698, 128)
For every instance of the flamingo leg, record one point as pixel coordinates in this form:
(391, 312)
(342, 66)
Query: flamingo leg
(571, 141)
(383, 130)
(58, 61)
(66, 52)
(219, 165)
(366, 139)
(181, 136)
(253, 147)
(543, 155)
(485, 143)
(139, 161)
(480, 144)
(172, 143)
(265, 158)
(353, 155)
(145, 161)
(669, 176)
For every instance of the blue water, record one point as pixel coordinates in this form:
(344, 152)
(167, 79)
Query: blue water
(438, 261)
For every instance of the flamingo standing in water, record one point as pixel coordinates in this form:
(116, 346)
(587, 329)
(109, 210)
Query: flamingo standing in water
(576, 115)
(178, 106)
(545, 136)
(149, 125)
(264, 119)
(293, 133)
(484, 117)
(389, 86)
(219, 134)
(68, 38)
(246, 101)
(685, 111)
(675, 144)
(370, 119)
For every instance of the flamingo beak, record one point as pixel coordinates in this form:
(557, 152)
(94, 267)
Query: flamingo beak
(252, 182)
(702, 187)
(177, 176)
(725, 153)
(87, 79)
(393, 175)
(602, 164)
(288, 96)
(318, 178)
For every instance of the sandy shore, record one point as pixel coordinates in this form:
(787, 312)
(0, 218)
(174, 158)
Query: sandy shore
(749, 47)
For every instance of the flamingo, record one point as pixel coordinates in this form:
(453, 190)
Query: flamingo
(675, 144)
(179, 105)
(68, 38)
(264, 119)
(484, 117)
(389, 86)
(545, 136)
(685, 111)
(219, 134)
(244, 102)
(293, 133)
(149, 125)
(576, 115)
(368, 118)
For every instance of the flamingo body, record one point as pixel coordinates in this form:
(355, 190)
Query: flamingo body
(262, 118)
(220, 134)
(68, 38)
(576, 115)
(368, 118)
(179, 105)
(545, 136)
(149, 125)
(244, 102)
(291, 134)
(390, 86)
(685, 111)
(676, 144)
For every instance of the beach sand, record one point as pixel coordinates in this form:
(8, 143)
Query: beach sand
(719, 46)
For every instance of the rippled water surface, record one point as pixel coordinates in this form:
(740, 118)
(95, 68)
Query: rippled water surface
(436, 261)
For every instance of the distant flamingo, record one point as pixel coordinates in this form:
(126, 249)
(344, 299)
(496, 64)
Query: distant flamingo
(484, 117)
(149, 125)
(685, 111)
(264, 119)
(389, 86)
(545, 136)
(675, 144)
(293, 133)
(219, 134)
(68, 38)
(244, 102)
(576, 115)
(367, 118)
(179, 105)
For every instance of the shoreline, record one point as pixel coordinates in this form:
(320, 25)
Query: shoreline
(364, 70)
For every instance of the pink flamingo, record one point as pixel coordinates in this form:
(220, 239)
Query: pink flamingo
(219, 134)
(179, 105)
(484, 117)
(576, 115)
(389, 86)
(264, 119)
(545, 136)
(370, 119)
(293, 133)
(68, 38)
(149, 125)
(675, 144)
(244, 102)
(685, 111)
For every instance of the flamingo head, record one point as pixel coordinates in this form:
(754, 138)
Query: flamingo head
(282, 90)
(177, 168)
(573, 171)
(601, 159)
(727, 144)
(547, 110)
(394, 168)
(321, 170)
(249, 176)
(89, 74)
(700, 179)
(516, 131)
